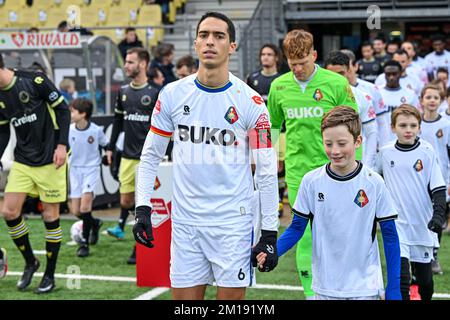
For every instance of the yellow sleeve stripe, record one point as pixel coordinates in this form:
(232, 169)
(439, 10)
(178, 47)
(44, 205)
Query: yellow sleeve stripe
(54, 104)
(4, 122)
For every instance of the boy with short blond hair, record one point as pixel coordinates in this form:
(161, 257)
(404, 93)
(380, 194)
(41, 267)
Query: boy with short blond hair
(411, 170)
(345, 199)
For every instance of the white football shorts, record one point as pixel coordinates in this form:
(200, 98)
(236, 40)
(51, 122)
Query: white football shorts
(415, 253)
(83, 180)
(203, 255)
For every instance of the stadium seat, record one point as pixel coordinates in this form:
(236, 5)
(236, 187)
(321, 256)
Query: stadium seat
(150, 15)
(89, 16)
(54, 16)
(3, 18)
(14, 4)
(135, 4)
(118, 16)
(150, 37)
(65, 3)
(43, 4)
(101, 3)
(23, 18)
(115, 35)
(172, 11)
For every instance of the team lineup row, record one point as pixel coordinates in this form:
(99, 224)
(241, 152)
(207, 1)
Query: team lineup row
(212, 210)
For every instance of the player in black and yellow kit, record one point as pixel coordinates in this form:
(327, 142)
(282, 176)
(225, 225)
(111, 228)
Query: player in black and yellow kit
(30, 102)
(133, 111)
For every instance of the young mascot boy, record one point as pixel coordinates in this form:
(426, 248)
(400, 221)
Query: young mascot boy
(344, 199)
(411, 170)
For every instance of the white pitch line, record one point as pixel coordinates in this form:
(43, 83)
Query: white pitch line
(152, 294)
(277, 287)
(159, 290)
(80, 276)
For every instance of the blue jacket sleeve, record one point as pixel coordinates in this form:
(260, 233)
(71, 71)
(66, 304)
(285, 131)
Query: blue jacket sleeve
(292, 234)
(392, 255)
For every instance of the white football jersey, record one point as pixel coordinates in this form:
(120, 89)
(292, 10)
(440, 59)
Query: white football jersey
(369, 127)
(374, 94)
(84, 145)
(409, 81)
(344, 211)
(211, 148)
(434, 61)
(437, 133)
(393, 98)
(445, 114)
(412, 173)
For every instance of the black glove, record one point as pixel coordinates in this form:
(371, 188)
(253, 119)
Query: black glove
(142, 229)
(105, 160)
(267, 244)
(435, 224)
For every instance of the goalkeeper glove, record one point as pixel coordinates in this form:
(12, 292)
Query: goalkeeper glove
(142, 229)
(267, 244)
(435, 224)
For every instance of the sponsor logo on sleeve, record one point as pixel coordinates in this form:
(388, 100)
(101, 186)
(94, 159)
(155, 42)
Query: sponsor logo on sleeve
(157, 108)
(258, 100)
(262, 122)
(53, 96)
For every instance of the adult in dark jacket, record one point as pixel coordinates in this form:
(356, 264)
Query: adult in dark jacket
(130, 41)
(164, 55)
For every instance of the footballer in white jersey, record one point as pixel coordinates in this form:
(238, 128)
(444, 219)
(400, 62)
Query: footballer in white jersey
(85, 158)
(210, 129)
(85, 144)
(412, 175)
(369, 132)
(353, 269)
(409, 81)
(213, 185)
(437, 133)
(433, 61)
(393, 98)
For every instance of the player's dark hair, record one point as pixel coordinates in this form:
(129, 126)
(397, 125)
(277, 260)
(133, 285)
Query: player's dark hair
(437, 37)
(82, 105)
(350, 55)
(129, 29)
(406, 110)
(448, 93)
(141, 53)
(401, 52)
(275, 50)
(187, 61)
(153, 73)
(380, 37)
(337, 58)
(442, 69)
(392, 63)
(367, 44)
(2, 64)
(212, 14)
(342, 115)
